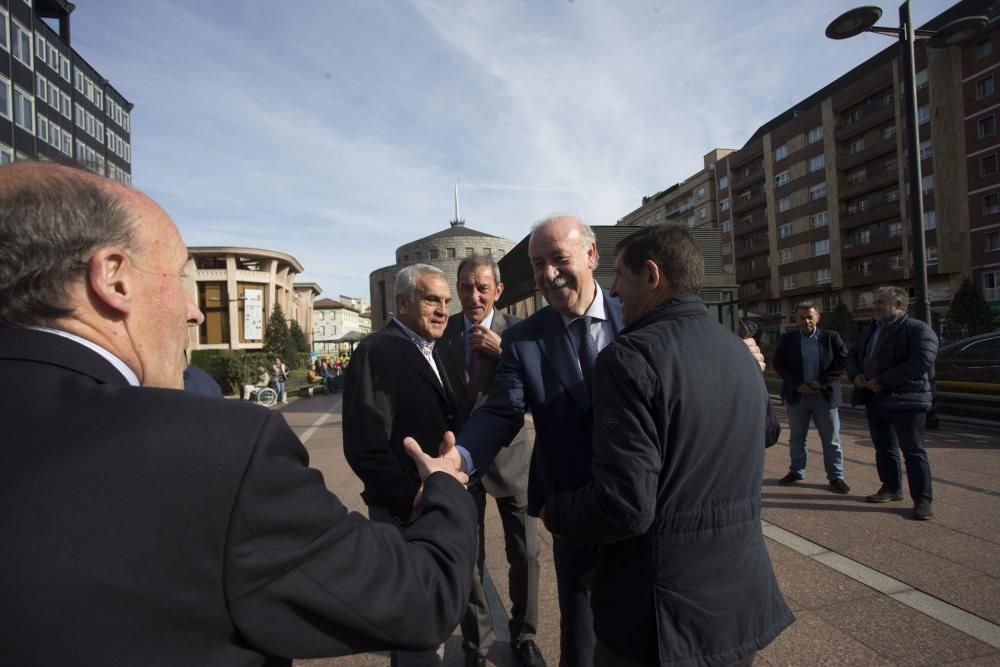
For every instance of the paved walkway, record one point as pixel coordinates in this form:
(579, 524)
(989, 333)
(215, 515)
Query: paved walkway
(869, 586)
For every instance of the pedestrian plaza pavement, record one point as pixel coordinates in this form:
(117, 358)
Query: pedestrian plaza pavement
(868, 585)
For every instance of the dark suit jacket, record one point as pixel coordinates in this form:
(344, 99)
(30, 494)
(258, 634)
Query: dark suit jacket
(539, 371)
(904, 361)
(787, 362)
(508, 476)
(154, 527)
(391, 392)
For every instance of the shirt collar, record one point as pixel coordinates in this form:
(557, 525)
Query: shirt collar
(813, 336)
(594, 311)
(486, 323)
(420, 342)
(120, 365)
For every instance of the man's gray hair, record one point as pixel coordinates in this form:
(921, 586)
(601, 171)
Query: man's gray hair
(475, 261)
(405, 284)
(898, 293)
(51, 222)
(806, 305)
(585, 231)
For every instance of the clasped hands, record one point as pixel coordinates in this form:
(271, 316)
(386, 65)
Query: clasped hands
(484, 340)
(863, 383)
(813, 387)
(449, 461)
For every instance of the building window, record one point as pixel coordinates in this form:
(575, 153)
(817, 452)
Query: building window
(922, 79)
(991, 285)
(822, 277)
(701, 193)
(784, 255)
(781, 152)
(787, 282)
(821, 247)
(214, 304)
(816, 163)
(984, 48)
(21, 46)
(932, 254)
(817, 220)
(24, 110)
(659, 215)
(986, 126)
(469, 252)
(4, 97)
(814, 135)
(434, 253)
(895, 230)
(782, 179)
(890, 166)
(857, 176)
(857, 206)
(817, 191)
(984, 87)
(862, 299)
(856, 146)
(888, 132)
(702, 213)
(927, 183)
(785, 230)
(891, 196)
(784, 204)
(853, 117)
(774, 308)
(487, 252)
(896, 263)
(861, 237)
(992, 241)
(726, 227)
(991, 204)
(930, 220)
(64, 67)
(926, 150)
(923, 114)
(727, 248)
(723, 182)
(4, 34)
(6, 155)
(724, 204)
(988, 165)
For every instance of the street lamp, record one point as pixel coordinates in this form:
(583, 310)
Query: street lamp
(862, 19)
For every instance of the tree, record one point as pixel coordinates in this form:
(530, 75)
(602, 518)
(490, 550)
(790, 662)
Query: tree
(298, 337)
(841, 320)
(277, 338)
(968, 315)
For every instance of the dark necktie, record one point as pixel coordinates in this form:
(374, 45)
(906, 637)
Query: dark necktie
(475, 363)
(587, 349)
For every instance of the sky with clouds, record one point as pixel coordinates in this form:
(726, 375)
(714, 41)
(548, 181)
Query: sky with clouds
(334, 130)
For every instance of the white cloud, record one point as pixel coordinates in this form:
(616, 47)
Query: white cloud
(333, 131)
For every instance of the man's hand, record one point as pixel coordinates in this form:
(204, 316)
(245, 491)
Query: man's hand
(755, 351)
(873, 385)
(485, 341)
(805, 389)
(860, 382)
(449, 454)
(427, 465)
(816, 385)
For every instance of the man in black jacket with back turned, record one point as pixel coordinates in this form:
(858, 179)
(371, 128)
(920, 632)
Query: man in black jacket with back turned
(683, 576)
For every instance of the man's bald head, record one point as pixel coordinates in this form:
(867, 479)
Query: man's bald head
(52, 218)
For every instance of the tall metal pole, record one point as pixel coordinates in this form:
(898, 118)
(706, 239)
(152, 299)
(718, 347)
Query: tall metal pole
(921, 306)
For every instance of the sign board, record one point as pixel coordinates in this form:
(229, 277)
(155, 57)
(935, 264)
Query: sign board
(253, 314)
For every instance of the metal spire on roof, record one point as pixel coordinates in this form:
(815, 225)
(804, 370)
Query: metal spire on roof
(457, 222)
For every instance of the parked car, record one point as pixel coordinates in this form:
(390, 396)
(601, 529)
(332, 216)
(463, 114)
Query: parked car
(975, 359)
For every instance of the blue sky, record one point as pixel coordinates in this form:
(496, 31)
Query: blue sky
(334, 130)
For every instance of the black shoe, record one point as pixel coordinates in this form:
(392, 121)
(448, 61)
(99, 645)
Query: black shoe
(922, 510)
(473, 659)
(528, 654)
(884, 495)
(839, 486)
(790, 478)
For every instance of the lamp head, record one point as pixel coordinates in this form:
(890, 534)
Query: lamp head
(853, 22)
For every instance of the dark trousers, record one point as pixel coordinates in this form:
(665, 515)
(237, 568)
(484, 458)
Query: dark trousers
(575, 565)
(893, 431)
(520, 534)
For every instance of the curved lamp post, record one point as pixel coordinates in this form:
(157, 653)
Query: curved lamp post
(862, 19)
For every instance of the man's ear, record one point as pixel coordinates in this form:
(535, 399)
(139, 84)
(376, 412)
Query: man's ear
(108, 278)
(653, 274)
(499, 289)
